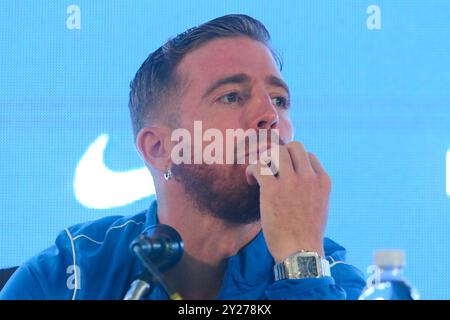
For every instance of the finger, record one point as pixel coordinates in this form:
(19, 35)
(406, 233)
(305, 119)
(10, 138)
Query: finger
(250, 174)
(324, 178)
(294, 157)
(300, 158)
(279, 161)
(269, 164)
(285, 164)
(254, 173)
(279, 157)
(316, 165)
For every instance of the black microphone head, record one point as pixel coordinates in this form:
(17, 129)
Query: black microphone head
(161, 245)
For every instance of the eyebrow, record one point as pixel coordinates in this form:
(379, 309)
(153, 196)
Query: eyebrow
(241, 78)
(277, 82)
(234, 79)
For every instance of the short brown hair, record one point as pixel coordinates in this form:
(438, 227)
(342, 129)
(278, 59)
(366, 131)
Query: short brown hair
(156, 79)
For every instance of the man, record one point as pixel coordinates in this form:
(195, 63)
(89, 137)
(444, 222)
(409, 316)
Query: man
(242, 229)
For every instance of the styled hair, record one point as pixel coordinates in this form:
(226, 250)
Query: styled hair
(157, 84)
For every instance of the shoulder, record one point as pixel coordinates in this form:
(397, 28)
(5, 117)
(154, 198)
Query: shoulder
(83, 262)
(97, 240)
(100, 231)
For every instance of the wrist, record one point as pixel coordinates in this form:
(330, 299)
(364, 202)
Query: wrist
(301, 265)
(283, 254)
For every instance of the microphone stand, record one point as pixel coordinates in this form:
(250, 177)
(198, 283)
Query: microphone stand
(145, 284)
(140, 288)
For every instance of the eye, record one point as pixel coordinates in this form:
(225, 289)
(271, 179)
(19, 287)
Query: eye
(281, 102)
(230, 98)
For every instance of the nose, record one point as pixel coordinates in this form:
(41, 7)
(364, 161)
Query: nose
(267, 124)
(265, 115)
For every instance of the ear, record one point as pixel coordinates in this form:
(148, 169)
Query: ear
(152, 143)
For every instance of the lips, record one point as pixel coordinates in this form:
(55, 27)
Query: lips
(250, 149)
(253, 154)
(258, 150)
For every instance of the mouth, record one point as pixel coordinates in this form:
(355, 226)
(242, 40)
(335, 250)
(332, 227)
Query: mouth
(253, 155)
(248, 151)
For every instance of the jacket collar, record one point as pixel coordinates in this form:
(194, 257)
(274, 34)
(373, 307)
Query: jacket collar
(248, 273)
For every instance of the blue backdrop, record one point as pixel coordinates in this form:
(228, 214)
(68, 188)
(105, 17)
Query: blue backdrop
(371, 99)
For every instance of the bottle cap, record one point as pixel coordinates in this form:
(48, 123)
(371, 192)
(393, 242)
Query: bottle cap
(390, 258)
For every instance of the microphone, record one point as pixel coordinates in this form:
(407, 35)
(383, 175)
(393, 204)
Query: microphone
(161, 245)
(159, 248)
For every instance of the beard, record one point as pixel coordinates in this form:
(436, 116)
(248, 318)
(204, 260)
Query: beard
(221, 191)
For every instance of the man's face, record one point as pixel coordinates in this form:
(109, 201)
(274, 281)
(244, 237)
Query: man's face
(231, 83)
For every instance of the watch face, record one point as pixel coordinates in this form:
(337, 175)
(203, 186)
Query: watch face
(307, 266)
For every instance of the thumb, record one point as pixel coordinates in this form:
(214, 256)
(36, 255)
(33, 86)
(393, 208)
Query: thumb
(257, 173)
(252, 174)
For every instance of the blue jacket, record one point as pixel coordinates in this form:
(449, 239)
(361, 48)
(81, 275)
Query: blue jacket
(93, 261)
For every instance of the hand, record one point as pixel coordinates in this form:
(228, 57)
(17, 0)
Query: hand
(294, 203)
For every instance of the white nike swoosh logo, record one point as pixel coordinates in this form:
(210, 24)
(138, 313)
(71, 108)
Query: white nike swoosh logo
(98, 187)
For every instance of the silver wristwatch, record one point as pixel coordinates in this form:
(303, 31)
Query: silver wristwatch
(302, 264)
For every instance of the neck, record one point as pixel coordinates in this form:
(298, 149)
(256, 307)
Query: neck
(208, 243)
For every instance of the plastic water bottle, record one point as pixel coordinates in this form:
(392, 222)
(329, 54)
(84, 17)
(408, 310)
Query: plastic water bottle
(387, 281)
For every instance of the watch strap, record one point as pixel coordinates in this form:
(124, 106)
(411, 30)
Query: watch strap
(287, 269)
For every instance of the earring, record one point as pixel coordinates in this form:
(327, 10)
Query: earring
(168, 174)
